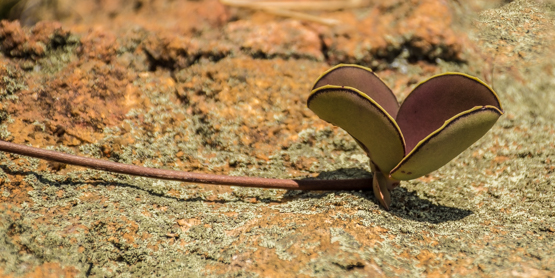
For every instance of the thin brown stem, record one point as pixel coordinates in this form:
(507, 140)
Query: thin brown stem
(301, 16)
(93, 163)
(290, 9)
(299, 6)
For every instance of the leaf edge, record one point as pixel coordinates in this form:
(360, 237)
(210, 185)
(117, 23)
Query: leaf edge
(373, 102)
(500, 107)
(440, 129)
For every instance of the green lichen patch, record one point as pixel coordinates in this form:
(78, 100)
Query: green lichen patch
(45, 46)
(11, 82)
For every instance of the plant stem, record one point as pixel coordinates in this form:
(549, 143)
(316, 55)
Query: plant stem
(290, 8)
(299, 6)
(301, 16)
(93, 163)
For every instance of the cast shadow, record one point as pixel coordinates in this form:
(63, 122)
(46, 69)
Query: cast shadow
(406, 204)
(97, 182)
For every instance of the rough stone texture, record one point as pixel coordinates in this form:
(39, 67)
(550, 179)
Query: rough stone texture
(197, 86)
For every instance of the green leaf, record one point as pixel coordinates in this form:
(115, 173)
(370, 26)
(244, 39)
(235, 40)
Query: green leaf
(447, 142)
(364, 119)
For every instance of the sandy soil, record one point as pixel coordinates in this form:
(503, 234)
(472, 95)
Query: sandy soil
(201, 87)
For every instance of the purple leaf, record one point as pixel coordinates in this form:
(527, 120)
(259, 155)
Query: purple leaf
(364, 80)
(436, 100)
(447, 142)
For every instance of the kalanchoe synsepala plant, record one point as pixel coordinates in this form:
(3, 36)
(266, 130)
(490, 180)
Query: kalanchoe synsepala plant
(438, 120)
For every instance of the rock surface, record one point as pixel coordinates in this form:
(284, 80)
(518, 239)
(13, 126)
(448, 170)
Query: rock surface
(202, 87)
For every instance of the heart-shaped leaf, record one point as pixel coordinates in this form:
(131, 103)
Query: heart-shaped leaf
(438, 120)
(362, 118)
(444, 106)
